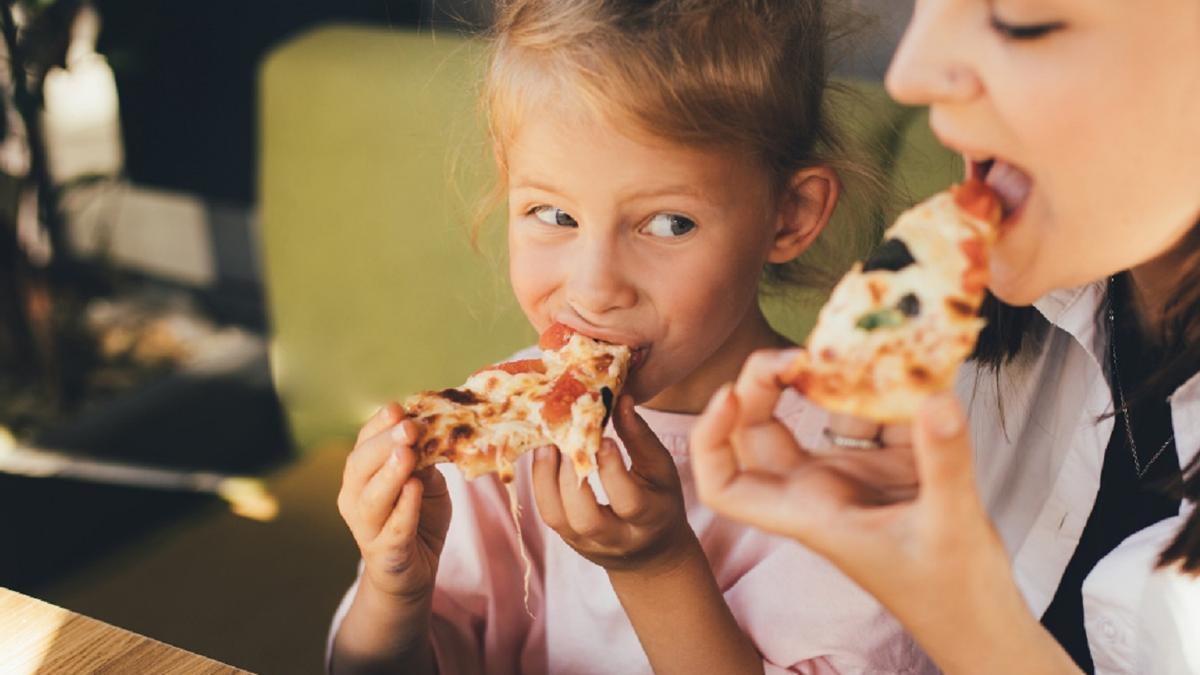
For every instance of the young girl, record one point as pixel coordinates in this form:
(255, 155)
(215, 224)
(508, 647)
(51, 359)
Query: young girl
(1085, 407)
(657, 157)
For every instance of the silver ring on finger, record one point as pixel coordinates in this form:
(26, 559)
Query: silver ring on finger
(851, 442)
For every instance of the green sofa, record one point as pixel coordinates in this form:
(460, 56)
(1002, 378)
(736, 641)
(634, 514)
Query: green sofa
(372, 161)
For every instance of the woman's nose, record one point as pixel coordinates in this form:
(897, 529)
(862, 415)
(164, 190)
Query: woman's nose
(929, 66)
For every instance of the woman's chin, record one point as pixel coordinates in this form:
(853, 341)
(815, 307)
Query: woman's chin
(1015, 289)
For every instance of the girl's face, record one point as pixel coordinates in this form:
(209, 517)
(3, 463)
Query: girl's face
(639, 242)
(1088, 112)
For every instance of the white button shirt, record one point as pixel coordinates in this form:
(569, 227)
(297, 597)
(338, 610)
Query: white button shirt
(1040, 434)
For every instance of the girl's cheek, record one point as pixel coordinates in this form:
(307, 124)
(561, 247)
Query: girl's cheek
(533, 272)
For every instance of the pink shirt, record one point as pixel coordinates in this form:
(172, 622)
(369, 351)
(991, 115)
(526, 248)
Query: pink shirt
(802, 614)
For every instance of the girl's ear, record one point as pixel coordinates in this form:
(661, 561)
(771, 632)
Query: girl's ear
(804, 210)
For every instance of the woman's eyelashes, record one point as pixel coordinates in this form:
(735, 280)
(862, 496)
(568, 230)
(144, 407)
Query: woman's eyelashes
(1028, 31)
(552, 215)
(665, 225)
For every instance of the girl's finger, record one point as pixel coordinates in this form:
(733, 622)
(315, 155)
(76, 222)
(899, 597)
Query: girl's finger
(383, 418)
(369, 456)
(626, 496)
(401, 525)
(545, 487)
(435, 482)
(761, 383)
(650, 459)
(379, 495)
(585, 516)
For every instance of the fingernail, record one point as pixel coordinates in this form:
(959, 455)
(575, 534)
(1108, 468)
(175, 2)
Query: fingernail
(945, 417)
(544, 453)
(396, 455)
(608, 445)
(400, 433)
(627, 403)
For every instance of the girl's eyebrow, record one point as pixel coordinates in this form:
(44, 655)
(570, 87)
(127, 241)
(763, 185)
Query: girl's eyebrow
(666, 191)
(521, 182)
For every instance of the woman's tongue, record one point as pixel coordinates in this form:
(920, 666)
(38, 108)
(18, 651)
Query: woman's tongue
(1011, 184)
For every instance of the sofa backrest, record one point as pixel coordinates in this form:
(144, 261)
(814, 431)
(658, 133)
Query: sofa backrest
(373, 161)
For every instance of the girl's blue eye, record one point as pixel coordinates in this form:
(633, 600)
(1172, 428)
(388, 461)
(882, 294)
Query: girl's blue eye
(554, 216)
(1018, 32)
(669, 225)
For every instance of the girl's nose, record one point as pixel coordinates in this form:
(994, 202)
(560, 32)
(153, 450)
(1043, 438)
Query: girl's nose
(598, 280)
(929, 65)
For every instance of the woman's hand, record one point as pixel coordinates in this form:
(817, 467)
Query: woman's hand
(398, 516)
(928, 552)
(644, 526)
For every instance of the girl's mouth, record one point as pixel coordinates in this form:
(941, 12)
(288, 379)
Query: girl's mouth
(1011, 184)
(638, 357)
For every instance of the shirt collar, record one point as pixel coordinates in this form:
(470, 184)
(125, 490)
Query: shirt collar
(1076, 311)
(1185, 418)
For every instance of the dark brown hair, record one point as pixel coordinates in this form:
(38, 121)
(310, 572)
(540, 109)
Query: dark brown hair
(1012, 330)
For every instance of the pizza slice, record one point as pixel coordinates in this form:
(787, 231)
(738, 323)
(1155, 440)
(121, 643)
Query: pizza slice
(563, 398)
(897, 327)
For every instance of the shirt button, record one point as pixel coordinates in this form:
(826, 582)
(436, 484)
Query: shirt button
(1109, 630)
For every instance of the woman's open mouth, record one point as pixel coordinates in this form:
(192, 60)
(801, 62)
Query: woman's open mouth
(1012, 185)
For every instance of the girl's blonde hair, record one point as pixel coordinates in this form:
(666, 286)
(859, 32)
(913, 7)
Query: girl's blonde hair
(745, 75)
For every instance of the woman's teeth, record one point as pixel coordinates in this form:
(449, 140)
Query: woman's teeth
(1011, 184)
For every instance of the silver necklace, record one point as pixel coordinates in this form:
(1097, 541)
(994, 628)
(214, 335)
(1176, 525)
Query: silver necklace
(1116, 372)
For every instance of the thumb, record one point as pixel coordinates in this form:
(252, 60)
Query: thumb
(942, 446)
(646, 452)
(435, 483)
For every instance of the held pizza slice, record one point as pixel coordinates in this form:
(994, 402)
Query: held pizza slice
(896, 328)
(502, 411)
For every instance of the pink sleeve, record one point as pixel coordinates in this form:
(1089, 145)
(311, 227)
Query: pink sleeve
(480, 623)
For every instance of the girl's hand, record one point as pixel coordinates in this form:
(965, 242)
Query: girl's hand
(929, 554)
(398, 517)
(644, 527)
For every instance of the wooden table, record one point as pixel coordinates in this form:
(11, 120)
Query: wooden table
(40, 638)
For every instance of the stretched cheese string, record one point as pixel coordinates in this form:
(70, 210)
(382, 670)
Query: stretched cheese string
(515, 509)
